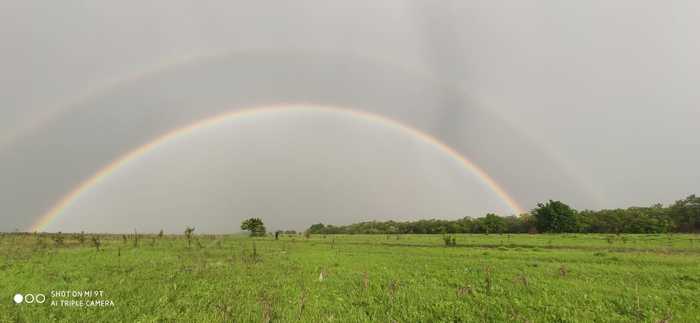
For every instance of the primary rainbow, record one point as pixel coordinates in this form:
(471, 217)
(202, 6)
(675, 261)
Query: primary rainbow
(133, 155)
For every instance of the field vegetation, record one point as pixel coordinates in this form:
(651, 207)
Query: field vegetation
(355, 278)
(554, 264)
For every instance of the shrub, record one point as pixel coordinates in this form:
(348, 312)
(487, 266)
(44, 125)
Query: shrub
(58, 239)
(96, 242)
(449, 240)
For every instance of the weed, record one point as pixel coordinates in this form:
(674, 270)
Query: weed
(302, 302)
(188, 235)
(563, 270)
(250, 258)
(465, 290)
(522, 279)
(488, 280)
(225, 311)
(392, 288)
(96, 242)
(266, 307)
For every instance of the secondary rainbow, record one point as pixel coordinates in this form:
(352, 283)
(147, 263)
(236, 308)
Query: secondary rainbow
(134, 154)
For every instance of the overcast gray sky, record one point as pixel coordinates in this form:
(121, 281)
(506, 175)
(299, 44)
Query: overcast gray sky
(594, 103)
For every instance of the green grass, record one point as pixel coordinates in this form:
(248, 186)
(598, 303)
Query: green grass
(380, 278)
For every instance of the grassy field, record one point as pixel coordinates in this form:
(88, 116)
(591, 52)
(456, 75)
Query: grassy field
(355, 278)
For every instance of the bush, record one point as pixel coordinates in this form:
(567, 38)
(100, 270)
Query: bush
(449, 240)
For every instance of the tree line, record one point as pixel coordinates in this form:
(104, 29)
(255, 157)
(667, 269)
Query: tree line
(683, 216)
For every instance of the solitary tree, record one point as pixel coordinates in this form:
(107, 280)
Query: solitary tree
(255, 226)
(555, 216)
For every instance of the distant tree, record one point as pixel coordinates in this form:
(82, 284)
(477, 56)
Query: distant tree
(317, 228)
(555, 216)
(465, 225)
(515, 224)
(255, 226)
(686, 214)
(493, 223)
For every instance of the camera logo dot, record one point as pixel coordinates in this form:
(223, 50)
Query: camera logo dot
(18, 298)
(29, 298)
